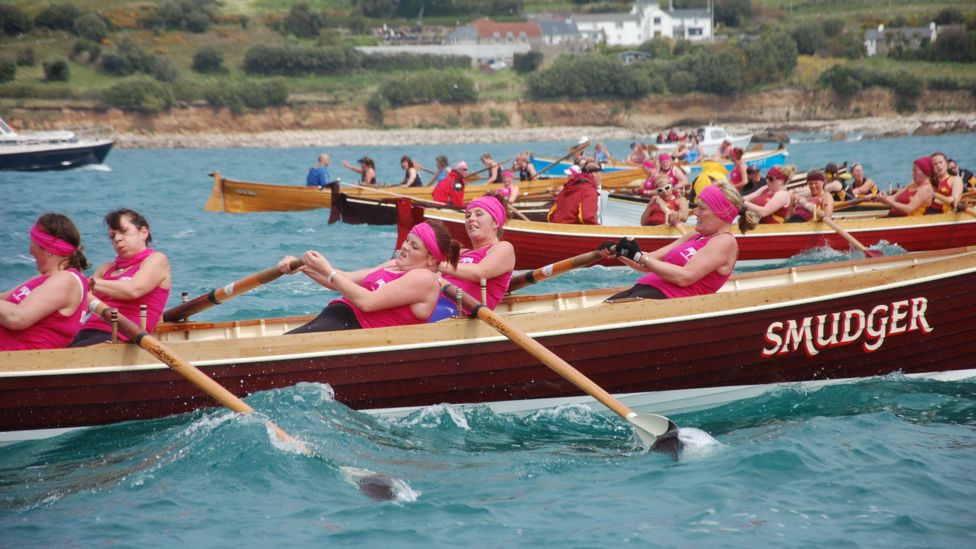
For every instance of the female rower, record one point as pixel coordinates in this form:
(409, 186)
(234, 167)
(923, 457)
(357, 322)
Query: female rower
(139, 275)
(818, 204)
(366, 170)
(509, 190)
(916, 197)
(674, 173)
(649, 185)
(667, 207)
(772, 202)
(697, 263)
(494, 169)
(860, 184)
(738, 176)
(524, 166)
(45, 312)
(411, 175)
(399, 292)
(948, 185)
(443, 168)
(489, 257)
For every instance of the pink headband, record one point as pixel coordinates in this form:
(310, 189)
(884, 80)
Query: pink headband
(492, 206)
(507, 174)
(718, 203)
(426, 235)
(50, 243)
(664, 157)
(774, 173)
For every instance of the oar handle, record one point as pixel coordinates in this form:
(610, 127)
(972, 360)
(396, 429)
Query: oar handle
(947, 200)
(539, 351)
(217, 296)
(192, 374)
(521, 280)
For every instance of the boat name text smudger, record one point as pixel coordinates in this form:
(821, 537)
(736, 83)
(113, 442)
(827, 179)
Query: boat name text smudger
(815, 333)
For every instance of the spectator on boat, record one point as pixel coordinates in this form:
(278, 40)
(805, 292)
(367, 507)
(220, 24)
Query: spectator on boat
(398, 292)
(738, 175)
(139, 275)
(968, 179)
(675, 174)
(667, 207)
(681, 153)
(366, 170)
(862, 186)
(45, 312)
(579, 200)
(697, 263)
(489, 257)
(509, 190)
(915, 198)
(494, 169)
(451, 189)
(816, 203)
(772, 202)
(649, 186)
(442, 166)
(523, 165)
(834, 184)
(694, 150)
(601, 154)
(754, 179)
(411, 175)
(318, 175)
(949, 186)
(638, 154)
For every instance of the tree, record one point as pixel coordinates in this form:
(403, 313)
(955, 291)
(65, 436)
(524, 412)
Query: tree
(91, 26)
(809, 37)
(208, 59)
(8, 69)
(770, 59)
(58, 17)
(303, 22)
(524, 63)
(56, 69)
(732, 12)
(954, 45)
(13, 20)
(950, 16)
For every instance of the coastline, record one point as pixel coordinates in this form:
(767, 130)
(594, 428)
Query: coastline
(843, 129)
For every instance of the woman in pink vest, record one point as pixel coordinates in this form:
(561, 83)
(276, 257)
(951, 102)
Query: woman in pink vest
(489, 257)
(699, 262)
(398, 292)
(45, 312)
(772, 202)
(139, 275)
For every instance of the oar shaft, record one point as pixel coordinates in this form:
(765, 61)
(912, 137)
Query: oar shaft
(524, 279)
(572, 151)
(947, 200)
(220, 295)
(846, 235)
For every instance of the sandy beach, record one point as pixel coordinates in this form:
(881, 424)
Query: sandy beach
(856, 128)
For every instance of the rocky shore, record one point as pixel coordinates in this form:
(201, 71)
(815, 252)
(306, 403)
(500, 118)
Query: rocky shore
(845, 129)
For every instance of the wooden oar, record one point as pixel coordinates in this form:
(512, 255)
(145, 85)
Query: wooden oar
(648, 426)
(398, 195)
(523, 279)
(848, 237)
(575, 149)
(476, 175)
(947, 200)
(217, 296)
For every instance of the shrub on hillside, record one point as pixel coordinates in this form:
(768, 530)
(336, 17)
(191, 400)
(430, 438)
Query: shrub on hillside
(844, 80)
(129, 58)
(303, 22)
(208, 60)
(292, 60)
(591, 76)
(955, 45)
(247, 95)
(85, 51)
(732, 12)
(717, 72)
(411, 61)
(445, 86)
(36, 91)
(680, 82)
(524, 63)
(832, 27)
(8, 69)
(770, 59)
(26, 57)
(809, 37)
(658, 47)
(92, 27)
(13, 20)
(60, 16)
(139, 93)
(56, 69)
(950, 16)
(191, 15)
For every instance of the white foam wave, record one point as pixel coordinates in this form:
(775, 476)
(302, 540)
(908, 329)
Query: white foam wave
(97, 168)
(430, 416)
(697, 444)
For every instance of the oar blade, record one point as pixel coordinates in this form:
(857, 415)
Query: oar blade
(649, 426)
(873, 253)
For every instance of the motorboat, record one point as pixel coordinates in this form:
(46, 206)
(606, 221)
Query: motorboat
(50, 150)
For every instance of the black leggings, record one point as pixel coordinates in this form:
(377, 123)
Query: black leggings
(642, 291)
(90, 337)
(335, 317)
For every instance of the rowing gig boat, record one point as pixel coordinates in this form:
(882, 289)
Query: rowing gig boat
(909, 313)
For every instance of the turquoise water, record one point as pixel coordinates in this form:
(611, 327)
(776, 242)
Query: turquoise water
(885, 462)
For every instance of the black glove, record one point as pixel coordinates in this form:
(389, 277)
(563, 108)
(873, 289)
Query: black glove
(608, 246)
(628, 247)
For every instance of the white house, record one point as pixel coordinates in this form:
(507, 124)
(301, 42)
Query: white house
(882, 40)
(645, 21)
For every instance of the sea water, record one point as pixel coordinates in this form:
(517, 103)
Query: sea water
(880, 463)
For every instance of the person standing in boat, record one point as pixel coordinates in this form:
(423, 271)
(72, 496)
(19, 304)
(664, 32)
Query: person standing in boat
(816, 204)
(489, 258)
(451, 189)
(494, 169)
(667, 207)
(948, 185)
(399, 292)
(862, 186)
(318, 175)
(411, 175)
(45, 312)
(915, 198)
(366, 170)
(699, 262)
(139, 275)
(579, 200)
(772, 202)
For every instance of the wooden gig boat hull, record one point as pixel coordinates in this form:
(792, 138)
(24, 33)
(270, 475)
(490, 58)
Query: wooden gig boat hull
(911, 313)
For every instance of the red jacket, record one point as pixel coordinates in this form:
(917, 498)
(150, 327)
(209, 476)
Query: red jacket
(578, 202)
(450, 190)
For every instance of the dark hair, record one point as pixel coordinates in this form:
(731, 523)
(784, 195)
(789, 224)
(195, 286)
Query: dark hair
(114, 221)
(58, 225)
(450, 247)
(442, 161)
(408, 160)
(367, 161)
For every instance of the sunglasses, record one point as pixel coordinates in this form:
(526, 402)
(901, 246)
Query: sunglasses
(663, 189)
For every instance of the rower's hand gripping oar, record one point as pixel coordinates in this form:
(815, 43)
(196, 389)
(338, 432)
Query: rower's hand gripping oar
(947, 200)
(850, 238)
(648, 426)
(217, 296)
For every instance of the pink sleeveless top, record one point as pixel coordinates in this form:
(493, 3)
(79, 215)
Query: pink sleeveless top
(394, 316)
(673, 178)
(155, 300)
(495, 287)
(735, 178)
(51, 332)
(680, 256)
(505, 191)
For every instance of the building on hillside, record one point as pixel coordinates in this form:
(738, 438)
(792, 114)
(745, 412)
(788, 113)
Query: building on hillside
(632, 56)
(486, 31)
(646, 20)
(882, 40)
(613, 29)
